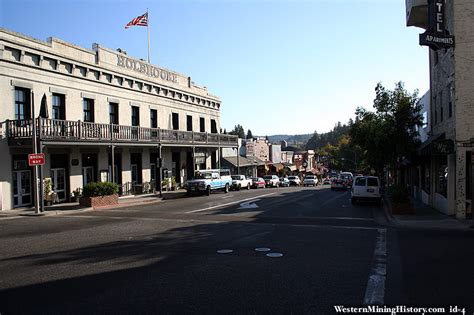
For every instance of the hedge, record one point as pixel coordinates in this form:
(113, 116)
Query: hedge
(99, 189)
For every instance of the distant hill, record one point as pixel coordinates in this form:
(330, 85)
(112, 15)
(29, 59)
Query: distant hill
(291, 139)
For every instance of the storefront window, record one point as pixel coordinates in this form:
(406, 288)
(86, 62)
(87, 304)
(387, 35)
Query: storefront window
(426, 178)
(442, 177)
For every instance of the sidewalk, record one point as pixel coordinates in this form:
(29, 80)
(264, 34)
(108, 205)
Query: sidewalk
(426, 217)
(73, 207)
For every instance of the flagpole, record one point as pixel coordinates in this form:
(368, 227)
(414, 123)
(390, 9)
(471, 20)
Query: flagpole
(148, 31)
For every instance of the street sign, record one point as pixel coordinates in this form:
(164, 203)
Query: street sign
(36, 159)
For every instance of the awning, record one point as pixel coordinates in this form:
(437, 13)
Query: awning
(426, 147)
(243, 161)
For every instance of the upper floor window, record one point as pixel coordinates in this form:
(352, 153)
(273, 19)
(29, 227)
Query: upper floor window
(135, 116)
(59, 107)
(189, 123)
(213, 126)
(425, 119)
(153, 118)
(22, 104)
(175, 121)
(113, 113)
(202, 124)
(88, 107)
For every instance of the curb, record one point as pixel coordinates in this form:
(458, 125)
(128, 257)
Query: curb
(387, 209)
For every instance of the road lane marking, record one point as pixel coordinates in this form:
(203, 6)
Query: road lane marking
(249, 204)
(375, 292)
(332, 199)
(228, 204)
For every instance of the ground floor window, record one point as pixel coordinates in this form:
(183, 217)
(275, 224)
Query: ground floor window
(442, 176)
(426, 178)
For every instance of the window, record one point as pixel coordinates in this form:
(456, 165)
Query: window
(360, 181)
(22, 104)
(189, 123)
(436, 116)
(450, 109)
(175, 118)
(450, 100)
(372, 182)
(213, 126)
(113, 113)
(135, 116)
(202, 124)
(153, 118)
(441, 114)
(442, 176)
(59, 108)
(425, 119)
(435, 57)
(88, 106)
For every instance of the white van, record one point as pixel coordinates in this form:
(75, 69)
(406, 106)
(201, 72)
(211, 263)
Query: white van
(366, 188)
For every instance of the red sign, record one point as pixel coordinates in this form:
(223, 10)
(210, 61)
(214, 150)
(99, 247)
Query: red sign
(36, 159)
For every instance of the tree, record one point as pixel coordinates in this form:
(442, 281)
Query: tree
(238, 131)
(249, 134)
(389, 133)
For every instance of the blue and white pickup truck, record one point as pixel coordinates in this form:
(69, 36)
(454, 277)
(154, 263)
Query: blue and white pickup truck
(206, 181)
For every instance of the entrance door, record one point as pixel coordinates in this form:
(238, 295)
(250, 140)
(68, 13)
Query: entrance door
(87, 175)
(21, 188)
(58, 178)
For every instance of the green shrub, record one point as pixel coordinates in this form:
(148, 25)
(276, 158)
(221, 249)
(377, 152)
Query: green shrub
(99, 189)
(398, 193)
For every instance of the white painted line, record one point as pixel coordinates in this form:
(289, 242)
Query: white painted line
(249, 204)
(228, 204)
(375, 292)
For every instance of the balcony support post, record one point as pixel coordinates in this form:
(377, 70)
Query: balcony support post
(160, 166)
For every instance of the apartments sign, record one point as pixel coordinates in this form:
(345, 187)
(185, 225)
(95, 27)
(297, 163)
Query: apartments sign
(146, 69)
(436, 37)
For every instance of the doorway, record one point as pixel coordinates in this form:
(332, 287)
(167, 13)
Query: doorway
(22, 188)
(58, 181)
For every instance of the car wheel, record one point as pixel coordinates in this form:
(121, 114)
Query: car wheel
(226, 188)
(238, 187)
(208, 190)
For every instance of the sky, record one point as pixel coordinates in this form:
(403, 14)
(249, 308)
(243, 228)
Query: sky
(279, 66)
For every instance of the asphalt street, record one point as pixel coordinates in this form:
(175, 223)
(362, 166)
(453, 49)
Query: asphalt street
(208, 255)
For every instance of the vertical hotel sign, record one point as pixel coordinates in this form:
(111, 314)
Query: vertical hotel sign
(436, 37)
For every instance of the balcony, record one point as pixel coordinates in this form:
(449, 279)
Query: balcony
(417, 13)
(54, 130)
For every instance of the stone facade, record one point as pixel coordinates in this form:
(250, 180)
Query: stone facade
(452, 113)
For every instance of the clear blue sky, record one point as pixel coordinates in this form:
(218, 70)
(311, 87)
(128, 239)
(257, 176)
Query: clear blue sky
(279, 66)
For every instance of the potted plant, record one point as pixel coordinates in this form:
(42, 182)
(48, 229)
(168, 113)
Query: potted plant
(400, 199)
(76, 194)
(97, 195)
(173, 184)
(48, 192)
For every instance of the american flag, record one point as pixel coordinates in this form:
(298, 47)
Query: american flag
(142, 20)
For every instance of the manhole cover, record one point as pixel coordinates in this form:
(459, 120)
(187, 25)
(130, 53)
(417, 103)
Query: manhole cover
(262, 249)
(224, 251)
(275, 255)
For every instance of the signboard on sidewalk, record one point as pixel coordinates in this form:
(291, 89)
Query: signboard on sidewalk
(36, 159)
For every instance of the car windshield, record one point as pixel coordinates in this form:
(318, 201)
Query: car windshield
(371, 181)
(360, 181)
(309, 177)
(236, 177)
(292, 177)
(203, 176)
(267, 177)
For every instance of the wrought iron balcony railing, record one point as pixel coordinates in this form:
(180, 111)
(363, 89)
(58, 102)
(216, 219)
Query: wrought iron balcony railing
(78, 131)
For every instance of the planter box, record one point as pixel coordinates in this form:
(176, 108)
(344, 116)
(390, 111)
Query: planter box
(98, 202)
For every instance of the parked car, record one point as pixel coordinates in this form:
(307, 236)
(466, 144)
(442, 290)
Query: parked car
(206, 181)
(366, 188)
(257, 182)
(241, 181)
(338, 184)
(310, 180)
(348, 178)
(294, 180)
(284, 182)
(327, 181)
(271, 181)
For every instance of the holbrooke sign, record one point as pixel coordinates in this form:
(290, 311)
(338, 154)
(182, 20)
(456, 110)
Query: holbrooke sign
(144, 68)
(436, 36)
